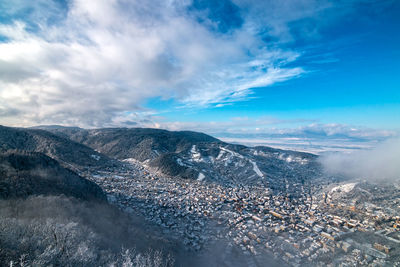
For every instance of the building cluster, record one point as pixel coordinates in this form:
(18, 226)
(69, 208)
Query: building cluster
(301, 230)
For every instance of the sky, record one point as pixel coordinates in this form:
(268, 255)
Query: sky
(309, 73)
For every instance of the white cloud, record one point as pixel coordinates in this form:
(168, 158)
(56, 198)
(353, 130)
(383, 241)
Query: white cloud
(102, 59)
(337, 131)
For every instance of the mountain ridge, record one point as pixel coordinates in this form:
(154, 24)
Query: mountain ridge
(197, 156)
(69, 153)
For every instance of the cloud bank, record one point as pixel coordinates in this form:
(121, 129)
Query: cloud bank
(378, 164)
(313, 137)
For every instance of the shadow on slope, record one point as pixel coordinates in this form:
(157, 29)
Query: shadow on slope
(28, 173)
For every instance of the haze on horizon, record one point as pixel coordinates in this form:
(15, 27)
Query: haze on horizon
(315, 75)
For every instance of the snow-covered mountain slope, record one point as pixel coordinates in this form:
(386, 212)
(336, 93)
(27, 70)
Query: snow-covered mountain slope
(198, 156)
(235, 164)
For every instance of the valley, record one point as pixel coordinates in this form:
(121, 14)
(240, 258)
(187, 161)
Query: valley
(233, 205)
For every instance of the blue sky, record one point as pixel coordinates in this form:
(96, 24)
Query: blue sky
(352, 69)
(238, 68)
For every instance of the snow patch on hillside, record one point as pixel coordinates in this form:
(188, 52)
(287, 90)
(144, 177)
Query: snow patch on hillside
(256, 169)
(232, 153)
(221, 154)
(96, 157)
(179, 161)
(196, 156)
(130, 160)
(343, 188)
(200, 177)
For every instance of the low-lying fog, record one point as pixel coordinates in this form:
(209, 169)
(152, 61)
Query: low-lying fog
(377, 164)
